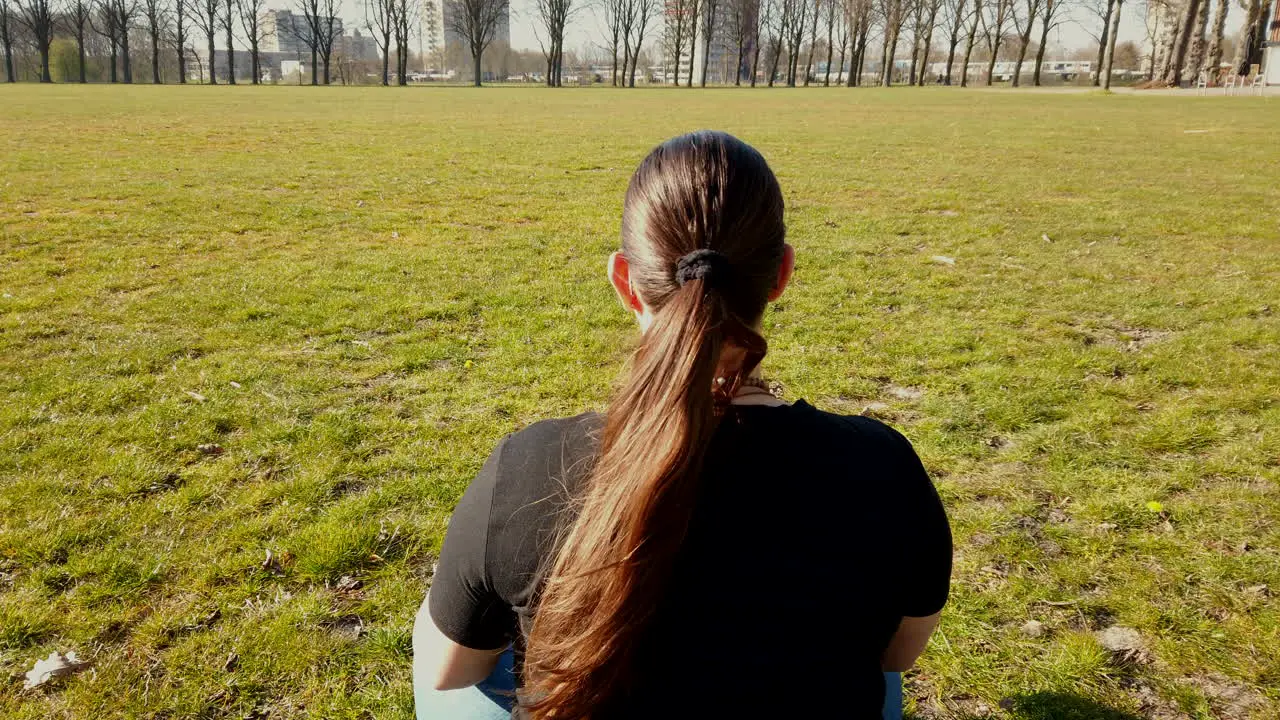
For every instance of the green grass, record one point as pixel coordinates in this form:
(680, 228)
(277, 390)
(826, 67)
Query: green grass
(356, 292)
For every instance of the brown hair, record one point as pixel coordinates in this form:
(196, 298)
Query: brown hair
(702, 231)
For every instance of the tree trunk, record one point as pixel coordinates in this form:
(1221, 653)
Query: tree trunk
(124, 56)
(213, 77)
(1214, 60)
(1244, 48)
(924, 59)
(968, 53)
(1196, 64)
(254, 60)
(915, 55)
(844, 48)
(1044, 40)
(991, 65)
(1102, 43)
(155, 55)
(1111, 45)
(755, 60)
(386, 57)
(80, 54)
(231, 53)
(826, 78)
(1022, 52)
(1174, 77)
(475, 57)
(9, 76)
(890, 49)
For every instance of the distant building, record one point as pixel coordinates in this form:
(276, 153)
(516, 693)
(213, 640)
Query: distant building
(720, 57)
(287, 32)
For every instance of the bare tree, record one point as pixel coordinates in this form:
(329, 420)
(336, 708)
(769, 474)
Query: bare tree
(476, 21)
(999, 15)
(742, 20)
(1111, 44)
(406, 17)
(554, 16)
(1103, 9)
(75, 20)
(914, 10)
(181, 13)
(893, 14)
(1247, 44)
(813, 40)
(1198, 40)
(251, 22)
(378, 19)
(795, 43)
(843, 36)
(645, 12)
(858, 16)
(677, 34)
(320, 18)
(37, 17)
(974, 21)
(954, 13)
(930, 14)
(614, 17)
(1214, 59)
(695, 19)
(777, 27)
(1023, 24)
(206, 19)
(157, 18)
(1173, 75)
(126, 12)
(6, 38)
(764, 16)
(1048, 21)
(105, 26)
(228, 22)
(709, 10)
(831, 38)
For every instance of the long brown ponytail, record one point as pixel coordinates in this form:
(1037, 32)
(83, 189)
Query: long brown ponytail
(705, 192)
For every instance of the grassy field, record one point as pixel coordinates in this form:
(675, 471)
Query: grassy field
(254, 342)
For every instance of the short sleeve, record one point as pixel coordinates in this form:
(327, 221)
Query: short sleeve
(923, 537)
(463, 602)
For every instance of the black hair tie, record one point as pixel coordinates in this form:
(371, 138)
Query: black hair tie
(706, 265)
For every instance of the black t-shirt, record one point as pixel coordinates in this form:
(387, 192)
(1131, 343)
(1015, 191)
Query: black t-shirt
(813, 535)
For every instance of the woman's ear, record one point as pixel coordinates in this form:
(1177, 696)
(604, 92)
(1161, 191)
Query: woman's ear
(620, 278)
(784, 272)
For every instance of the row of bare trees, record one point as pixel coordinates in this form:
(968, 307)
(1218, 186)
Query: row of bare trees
(778, 39)
(169, 27)
(1184, 44)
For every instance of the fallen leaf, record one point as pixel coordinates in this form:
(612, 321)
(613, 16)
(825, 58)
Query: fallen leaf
(235, 384)
(943, 259)
(210, 449)
(1045, 237)
(233, 660)
(53, 667)
(198, 397)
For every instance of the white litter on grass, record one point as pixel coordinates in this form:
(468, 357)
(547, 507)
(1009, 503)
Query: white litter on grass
(943, 259)
(53, 667)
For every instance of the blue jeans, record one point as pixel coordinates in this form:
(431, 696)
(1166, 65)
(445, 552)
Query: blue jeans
(493, 697)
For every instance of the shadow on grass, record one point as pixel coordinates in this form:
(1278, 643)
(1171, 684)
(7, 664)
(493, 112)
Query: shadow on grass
(1052, 706)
